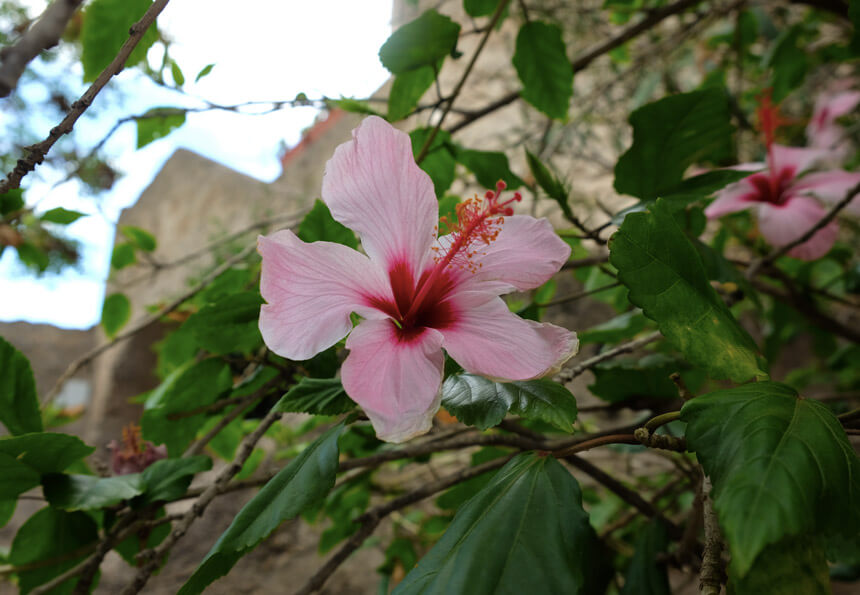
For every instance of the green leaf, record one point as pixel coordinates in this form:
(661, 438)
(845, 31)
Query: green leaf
(480, 402)
(229, 325)
(142, 239)
(105, 30)
(666, 278)
(480, 8)
(792, 566)
(707, 183)
(45, 452)
(422, 42)
(302, 483)
(543, 68)
(191, 386)
(88, 492)
(157, 123)
(407, 89)
(115, 313)
(780, 466)
(11, 201)
(204, 72)
(143, 539)
(17, 477)
(60, 216)
(648, 377)
(52, 534)
(624, 326)
(7, 509)
(646, 575)
(176, 72)
(550, 184)
(789, 60)
(489, 167)
(459, 494)
(526, 532)
(351, 105)
(439, 162)
(668, 136)
(122, 256)
(318, 396)
(318, 225)
(19, 406)
(168, 479)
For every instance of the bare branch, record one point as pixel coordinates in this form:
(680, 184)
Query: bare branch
(608, 354)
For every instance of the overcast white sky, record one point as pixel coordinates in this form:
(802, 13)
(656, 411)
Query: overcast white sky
(263, 50)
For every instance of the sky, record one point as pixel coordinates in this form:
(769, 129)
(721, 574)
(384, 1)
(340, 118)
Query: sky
(263, 50)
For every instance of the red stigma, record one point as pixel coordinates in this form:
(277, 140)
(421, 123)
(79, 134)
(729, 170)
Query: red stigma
(769, 118)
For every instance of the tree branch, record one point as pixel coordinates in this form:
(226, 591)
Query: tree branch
(43, 34)
(609, 354)
(36, 153)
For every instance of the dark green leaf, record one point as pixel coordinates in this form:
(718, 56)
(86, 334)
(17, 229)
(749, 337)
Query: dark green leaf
(780, 466)
(115, 313)
(305, 481)
(142, 239)
(408, 87)
(794, 565)
(489, 167)
(543, 68)
(526, 532)
(422, 42)
(319, 225)
(168, 479)
(480, 8)
(176, 72)
(11, 201)
(668, 136)
(319, 396)
(61, 216)
(229, 325)
(626, 379)
(52, 534)
(204, 72)
(33, 256)
(17, 477)
(480, 402)
(789, 61)
(624, 326)
(88, 492)
(439, 162)
(707, 183)
(460, 493)
(646, 575)
(19, 406)
(191, 386)
(105, 29)
(7, 509)
(122, 256)
(143, 539)
(46, 452)
(157, 123)
(666, 278)
(550, 184)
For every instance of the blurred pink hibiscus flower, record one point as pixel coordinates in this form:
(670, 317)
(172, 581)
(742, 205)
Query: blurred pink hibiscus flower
(786, 202)
(416, 293)
(823, 131)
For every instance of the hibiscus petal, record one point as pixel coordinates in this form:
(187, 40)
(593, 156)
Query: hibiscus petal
(311, 289)
(732, 198)
(396, 381)
(831, 187)
(783, 224)
(797, 159)
(526, 254)
(490, 340)
(822, 130)
(373, 186)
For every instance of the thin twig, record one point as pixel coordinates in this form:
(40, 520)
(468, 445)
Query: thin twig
(577, 296)
(36, 153)
(607, 355)
(756, 266)
(146, 322)
(711, 576)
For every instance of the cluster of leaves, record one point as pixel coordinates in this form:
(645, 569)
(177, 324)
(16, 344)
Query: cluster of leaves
(786, 479)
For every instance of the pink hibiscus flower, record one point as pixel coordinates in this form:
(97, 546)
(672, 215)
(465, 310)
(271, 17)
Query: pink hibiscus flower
(786, 202)
(822, 130)
(416, 293)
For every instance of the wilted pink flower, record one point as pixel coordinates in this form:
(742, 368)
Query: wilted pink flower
(417, 294)
(787, 203)
(822, 130)
(134, 455)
